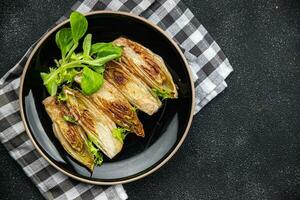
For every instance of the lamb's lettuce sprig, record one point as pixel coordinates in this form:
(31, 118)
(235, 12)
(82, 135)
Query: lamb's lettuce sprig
(89, 63)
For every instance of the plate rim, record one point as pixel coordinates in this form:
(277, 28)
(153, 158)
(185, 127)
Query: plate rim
(86, 180)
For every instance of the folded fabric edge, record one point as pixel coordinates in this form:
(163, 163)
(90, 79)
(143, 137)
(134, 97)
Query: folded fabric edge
(223, 71)
(121, 192)
(200, 104)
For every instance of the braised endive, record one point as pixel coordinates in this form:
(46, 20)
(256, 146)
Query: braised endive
(95, 93)
(97, 125)
(117, 107)
(133, 88)
(148, 66)
(71, 135)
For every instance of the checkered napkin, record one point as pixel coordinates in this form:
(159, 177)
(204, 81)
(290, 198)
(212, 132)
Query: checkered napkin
(209, 65)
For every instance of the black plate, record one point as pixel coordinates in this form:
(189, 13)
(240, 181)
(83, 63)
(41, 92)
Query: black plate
(165, 130)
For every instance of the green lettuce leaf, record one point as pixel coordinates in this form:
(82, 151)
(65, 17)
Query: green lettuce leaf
(64, 41)
(163, 94)
(91, 81)
(79, 25)
(70, 119)
(86, 46)
(120, 133)
(51, 85)
(98, 157)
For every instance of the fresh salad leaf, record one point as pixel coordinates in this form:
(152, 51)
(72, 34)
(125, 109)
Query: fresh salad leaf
(64, 41)
(66, 76)
(134, 109)
(120, 133)
(104, 49)
(70, 119)
(58, 76)
(98, 69)
(95, 48)
(73, 63)
(91, 81)
(70, 74)
(79, 25)
(86, 46)
(51, 84)
(62, 96)
(101, 61)
(98, 157)
(163, 94)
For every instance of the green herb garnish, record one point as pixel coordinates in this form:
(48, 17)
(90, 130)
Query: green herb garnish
(70, 119)
(90, 63)
(134, 109)
(120, 133)
(62, 97)
(162, 93)
(98, 157)
(91, 81)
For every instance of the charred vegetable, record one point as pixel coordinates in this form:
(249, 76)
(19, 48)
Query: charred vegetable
(70, 135)
(94, 121)
(148, 66)
(133, 88)
(95, 93)
(116, 106)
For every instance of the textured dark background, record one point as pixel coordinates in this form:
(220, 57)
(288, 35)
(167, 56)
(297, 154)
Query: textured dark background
(245, 144)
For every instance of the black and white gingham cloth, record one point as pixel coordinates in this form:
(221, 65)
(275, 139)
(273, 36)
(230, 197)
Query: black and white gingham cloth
(208, 63)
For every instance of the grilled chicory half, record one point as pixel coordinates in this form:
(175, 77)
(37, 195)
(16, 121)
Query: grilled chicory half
(70, 135)
(148, 66)
(116, 106)
(98, 126)
(133, 88)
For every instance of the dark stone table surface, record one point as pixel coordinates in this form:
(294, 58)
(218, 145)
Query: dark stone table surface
(245, 144)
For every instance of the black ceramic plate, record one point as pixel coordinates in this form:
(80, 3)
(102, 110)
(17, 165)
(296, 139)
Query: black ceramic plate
(165, 130)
